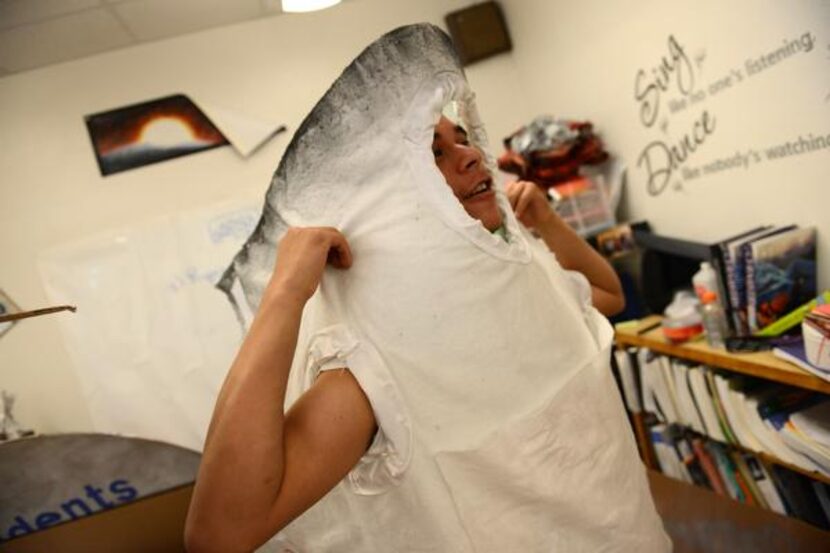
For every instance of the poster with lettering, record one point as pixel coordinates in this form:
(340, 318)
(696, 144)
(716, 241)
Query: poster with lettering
(53, 479)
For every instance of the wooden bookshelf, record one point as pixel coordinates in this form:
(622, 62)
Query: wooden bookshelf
(762, 364)
(767, 458)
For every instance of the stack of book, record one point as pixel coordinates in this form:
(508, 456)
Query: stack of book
(764, 274)
(796, 354)
(819, 319)
(710, 426)
(812, 353)
(741, 475)
(808, 432)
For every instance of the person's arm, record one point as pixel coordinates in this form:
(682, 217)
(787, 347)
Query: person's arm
(262, 467)
(533, 210)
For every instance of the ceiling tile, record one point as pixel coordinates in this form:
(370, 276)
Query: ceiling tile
(62, 39)
(23, 12)
(155, 19)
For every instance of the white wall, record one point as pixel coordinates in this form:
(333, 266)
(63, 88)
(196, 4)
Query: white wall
(579, 60)
(52, 192)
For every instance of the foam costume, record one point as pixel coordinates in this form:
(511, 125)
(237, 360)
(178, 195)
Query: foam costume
(500, 427)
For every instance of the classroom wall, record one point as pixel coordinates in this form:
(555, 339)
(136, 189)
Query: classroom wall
(580, 60)
(53, 194)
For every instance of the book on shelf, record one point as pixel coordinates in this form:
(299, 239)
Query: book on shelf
(686, 454)
(742, 257)
(804, 445)
(719, 259)
(629, 379)
(814, 422)
(687, 408)
(767, 433)
(822, 492)
(705, 403)
(764, 484)
(780, 275)
(808, 432)
(717, 405)
(667, 458)
(707, 464)
(796, 354)
(740, 436)
(748, 478)
(655, 377)
(668, 389)
(730, 389)
(646, 365)
(735, 485)
(751, 413)
(800, 497)
(739, 475)
(734, 281)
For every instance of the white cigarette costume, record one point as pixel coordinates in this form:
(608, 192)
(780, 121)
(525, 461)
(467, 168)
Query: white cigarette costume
(500, 427)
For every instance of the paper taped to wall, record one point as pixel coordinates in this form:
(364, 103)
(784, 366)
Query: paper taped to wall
(152, 338)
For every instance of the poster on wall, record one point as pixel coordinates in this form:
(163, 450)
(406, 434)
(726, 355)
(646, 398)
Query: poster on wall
(152, 338)
(150, 132)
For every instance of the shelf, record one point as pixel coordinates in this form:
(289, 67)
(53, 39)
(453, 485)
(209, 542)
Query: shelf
(762, 364)
(767, 458)
(647, 333)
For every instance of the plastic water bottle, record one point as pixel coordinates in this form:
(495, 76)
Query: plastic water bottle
(705, 282)
(714, 320)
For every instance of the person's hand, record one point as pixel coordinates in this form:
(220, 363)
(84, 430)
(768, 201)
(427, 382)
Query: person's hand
(530, 204)
(301, 258)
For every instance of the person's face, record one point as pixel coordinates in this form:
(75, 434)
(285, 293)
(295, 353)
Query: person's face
(464, 170)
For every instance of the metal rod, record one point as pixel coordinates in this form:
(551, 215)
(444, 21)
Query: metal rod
(35, 313)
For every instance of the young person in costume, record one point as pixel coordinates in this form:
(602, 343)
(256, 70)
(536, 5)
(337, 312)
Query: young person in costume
(421, 373)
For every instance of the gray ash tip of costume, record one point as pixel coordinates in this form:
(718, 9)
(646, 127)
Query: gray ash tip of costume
(375, 88)
(373, 92)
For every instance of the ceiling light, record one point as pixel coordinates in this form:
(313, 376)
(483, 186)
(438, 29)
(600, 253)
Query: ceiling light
(297, 6)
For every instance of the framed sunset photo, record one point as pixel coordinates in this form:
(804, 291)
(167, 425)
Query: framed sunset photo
(150, 132)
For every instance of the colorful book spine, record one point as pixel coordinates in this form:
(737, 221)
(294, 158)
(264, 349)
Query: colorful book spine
(747, 479)
(707, 464)
(731, 262)
(764, 483)
(691, 462)
(726, 470)
(719, 258)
